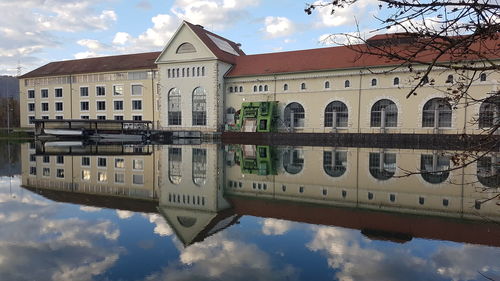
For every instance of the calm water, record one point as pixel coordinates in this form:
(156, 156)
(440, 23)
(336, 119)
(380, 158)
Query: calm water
(213, 212)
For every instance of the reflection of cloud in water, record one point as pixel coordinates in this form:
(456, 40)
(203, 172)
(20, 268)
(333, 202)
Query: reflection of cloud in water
(220, 258)
(90, 209)
(161, 228)
(349, 253)
(124, 214)
(275, 226)
(35, 244)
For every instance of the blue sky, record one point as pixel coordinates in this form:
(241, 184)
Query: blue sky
(35, 32)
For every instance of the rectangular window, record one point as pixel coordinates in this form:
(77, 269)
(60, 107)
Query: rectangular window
(118, 117)
(60, 173)
(119, 178)
(85, 161)
(138, 164)
(101, 117)
(59, 117)
(45, 93)
(45, 117)
(101, 162)
(33, 171)
(31, 119)
(84, 117)
(137, 105)
(118, 104)
(31, 106)
(59, 106)
(32, 158)
(46, 172)
(119, 163)
(137, 117)
(84, 106)
(46, 159)
(101, 105)
(100, 91)
(136, 90)
(58, 93)
(31, 94)
(102, 176)
(86, 175)
(60, 159)
(84, 91)
(118, 90)
(137, 179)
(45, 106)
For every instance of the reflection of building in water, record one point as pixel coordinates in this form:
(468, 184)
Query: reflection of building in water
(371, 178)
(191, 197)
(131, 176)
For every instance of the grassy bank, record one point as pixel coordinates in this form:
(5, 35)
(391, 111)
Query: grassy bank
(15, 134)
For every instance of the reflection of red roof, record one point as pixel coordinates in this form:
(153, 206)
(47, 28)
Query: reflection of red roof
(220, 54)
(355, 56)
(414, 226)
(99, 64)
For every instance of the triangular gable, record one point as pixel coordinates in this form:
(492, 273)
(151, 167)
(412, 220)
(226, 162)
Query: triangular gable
(208, 45)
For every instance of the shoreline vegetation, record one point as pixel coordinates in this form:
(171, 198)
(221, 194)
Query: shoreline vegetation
(15, 134)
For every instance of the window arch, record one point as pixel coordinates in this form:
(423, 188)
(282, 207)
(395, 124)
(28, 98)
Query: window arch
(384, 113)
(488, 171)
(489, 112)
(174, 107)
(347, 84)
(327, 84)
(255, 88)
(202, 71)
(374, 82)
(449, 79)
(303, 86)
(293, 160)
(434, 167)
(241, 89)
(175, 165)
(230, 89)
(482, 77)
(285, 87)
(395, 82)
(199, 111)
(187, 222)
(186, 48)
(336, 114)
(436, 113)
(199, 166)
(260, 88)
(294, 115)
(382, 165)
(235, 89)
(266, 88)
(335, 163)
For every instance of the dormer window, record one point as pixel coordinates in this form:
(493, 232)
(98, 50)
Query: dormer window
(185, 48)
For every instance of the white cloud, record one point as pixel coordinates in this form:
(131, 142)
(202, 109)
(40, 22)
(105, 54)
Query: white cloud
(161, 228)
(275, 227)
(91, 44)
(90, 209)
(278, 26)
(121, 38)
(347, 16)
(124, 214)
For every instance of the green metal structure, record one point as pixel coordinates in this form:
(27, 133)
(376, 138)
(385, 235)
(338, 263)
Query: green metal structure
(257, 117)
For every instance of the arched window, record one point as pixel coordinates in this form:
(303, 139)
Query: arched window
(335, 163)
(186, 222)
(303, 86)
(384, 113)
(425, 80)
(294, 115)
(198, 71)
(285, 87)
(489, 112)
(482, 77)
(199, 166)
(230, 112)
(382, 165)
(187, 72)
(174, 107)
(255, 88)
(266, 88)
(175, 165)
(293, 160)
(185, 48)
(395, 81)
(202, 71)
(199, 107)
(488, 171)
(230, 89)
(241, 89)
(434, 167)
(168, 73)
(177, 75)
(260, 88)
(347, 84)
(449, 79)
(194, 71)
(327, 84)
(436, 113)
(374, 82)
(235, 89)
(336, 114)
(183, 72)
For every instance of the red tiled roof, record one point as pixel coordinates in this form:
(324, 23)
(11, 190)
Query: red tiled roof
(99, 64)
(344, 57)
(220, 54)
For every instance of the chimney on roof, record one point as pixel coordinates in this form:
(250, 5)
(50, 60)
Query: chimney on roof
(200, 26)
